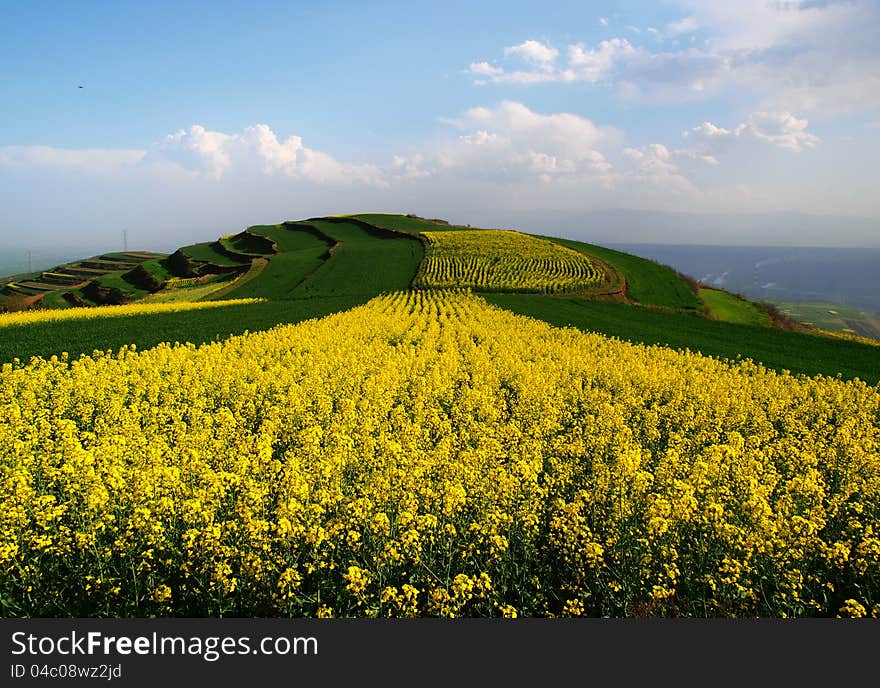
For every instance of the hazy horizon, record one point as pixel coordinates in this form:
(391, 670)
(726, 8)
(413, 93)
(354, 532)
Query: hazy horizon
(592, 226)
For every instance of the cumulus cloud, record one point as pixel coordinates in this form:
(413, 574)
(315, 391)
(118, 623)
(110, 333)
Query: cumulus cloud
(583, 63)
(257, 150)
(196, 149)
(653, 164)
(781, 129)
(485, 69)
(501, 158)
(596, 64)
(511, 142)
(534, 52)
(253, 152)
(499, 144)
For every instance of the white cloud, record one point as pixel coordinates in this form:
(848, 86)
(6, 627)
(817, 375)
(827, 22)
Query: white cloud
(653, 164)
(707, 130)
(534, 52)
(682, 26)
(197, 150)
(794, 56)
(583, 63)
(256, 150)
(654, 155)
(485, 69)
(791, 56)
(409, 168)
(503, 159)
(781, 129)
(511, 142)
(500, 143)
(596, 64)
(603, 21)
(699, 156)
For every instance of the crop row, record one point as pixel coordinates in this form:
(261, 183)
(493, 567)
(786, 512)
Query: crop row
(429, 455)
(89, 313)
(501, 260)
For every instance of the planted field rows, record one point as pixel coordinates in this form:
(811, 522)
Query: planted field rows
(427, 454)
(504, 261)
(25, 318)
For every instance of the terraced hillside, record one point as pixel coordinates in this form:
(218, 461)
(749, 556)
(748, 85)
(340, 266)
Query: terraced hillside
(299, 250)
(646, 282)
(108, 278)
(409, 224)
(332, 258)
(365, 261)
(310, 268)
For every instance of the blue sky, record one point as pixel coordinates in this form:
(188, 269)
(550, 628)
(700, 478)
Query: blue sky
(198, 117)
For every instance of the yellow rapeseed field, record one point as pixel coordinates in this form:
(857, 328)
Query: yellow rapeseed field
(427, 454)
(496, 260)
(54, 315)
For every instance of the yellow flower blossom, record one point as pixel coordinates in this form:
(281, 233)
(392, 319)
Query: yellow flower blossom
(426, 454)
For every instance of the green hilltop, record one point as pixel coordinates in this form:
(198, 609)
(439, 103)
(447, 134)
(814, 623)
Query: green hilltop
(314, 267)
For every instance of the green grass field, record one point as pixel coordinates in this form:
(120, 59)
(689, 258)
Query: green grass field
(78, 337)
(647, 282)
(288, 237)
(403, 223)
(115, 280)
(197, 292)
(207, 253)
(300, 254)
(725, 306)
(108, 270)
(363, 263)
(778, 349)
(55, 299)
(158, 267)
(242, 244)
